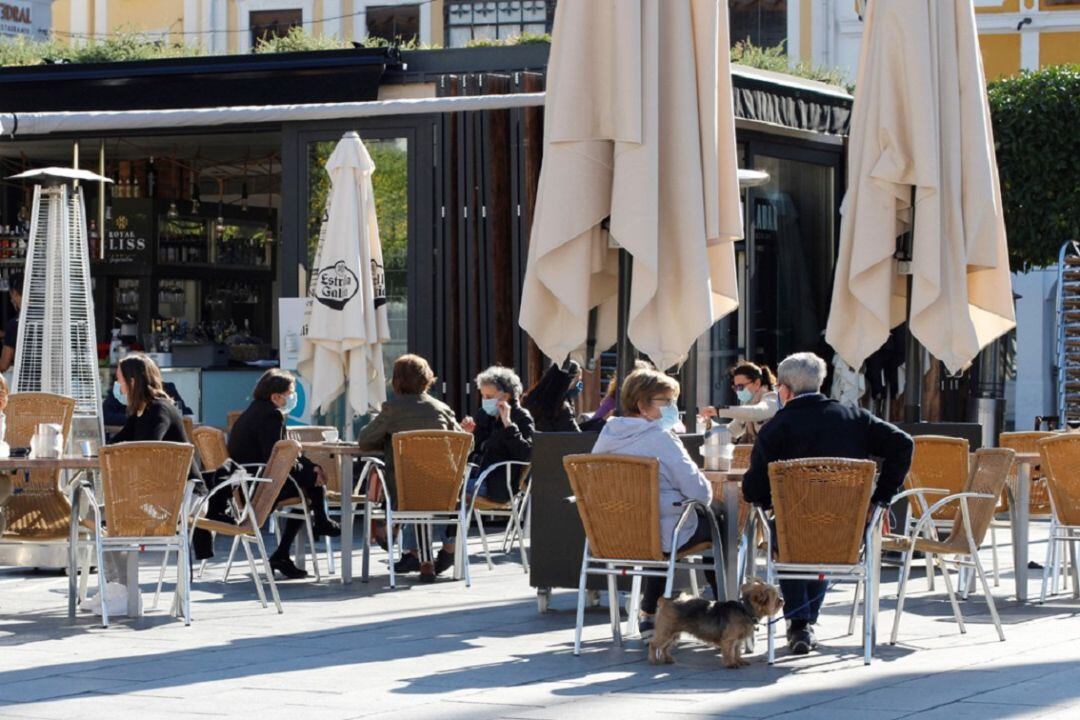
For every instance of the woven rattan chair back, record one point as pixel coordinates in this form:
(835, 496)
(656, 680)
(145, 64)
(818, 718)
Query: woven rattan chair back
(938, 462)
(282, 461)
(618, 499)
(322, 458)
(211, 445)
(989, 473)
(230, 419)
(740, 459)
(429, 467)
(38, 510)
(820, 506)
(143, 486)
(1028, 442)
(189, 426)
(1061, 464)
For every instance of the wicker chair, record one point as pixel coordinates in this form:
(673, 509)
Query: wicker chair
(430, 468)
(821, 532)
(230, 419)
(39, 511)
(258, 496)
(618, 499)
(515, 510)
(939, 463)
(1061, 464)
(145, 489)
(210, 443)
(325, 460)
(189, 426)
(970, 521)
(1039, 498)
(750, 535)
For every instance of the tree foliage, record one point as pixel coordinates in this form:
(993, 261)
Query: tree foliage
(1036, 117)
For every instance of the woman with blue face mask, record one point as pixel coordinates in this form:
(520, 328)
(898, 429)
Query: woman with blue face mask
(252, 440)
(649, 403)
(755, 389)
(502, 429)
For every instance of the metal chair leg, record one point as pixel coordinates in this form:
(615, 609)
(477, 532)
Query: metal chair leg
(904, 575)
(959, 616)
(483, 539)
(255, 574)
(854, 608)
(581, 600)
(232, 553)
(161, 579)
(613, 607)
(269, 572)
(994, 554)
(986, 591)
(1051, 544)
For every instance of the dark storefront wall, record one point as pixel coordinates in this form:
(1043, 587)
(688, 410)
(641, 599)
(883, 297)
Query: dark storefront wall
(785, 262)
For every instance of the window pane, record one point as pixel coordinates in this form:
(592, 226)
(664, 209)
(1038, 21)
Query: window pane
(484, 12)
(534, 10)
(535, 28)
(509, 11)
(484, 32)
(460, 36)
(460, 14)
(507, 31)
(396, 23)
(763, 22)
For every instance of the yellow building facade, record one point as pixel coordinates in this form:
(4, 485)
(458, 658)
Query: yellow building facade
(233, 26)
(1015, 35)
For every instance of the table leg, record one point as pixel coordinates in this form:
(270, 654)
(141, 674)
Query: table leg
(73, 550)
(732, 494)
(346, 518)
(133, 583)
(364, 572)
(1019, 511)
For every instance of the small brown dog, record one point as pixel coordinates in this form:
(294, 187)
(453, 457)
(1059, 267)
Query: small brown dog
(727, 625)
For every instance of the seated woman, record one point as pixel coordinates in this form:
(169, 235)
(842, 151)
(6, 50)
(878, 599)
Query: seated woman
(410, 408)
(151, 415)
(755, 387)
(648, 403)
(114, 413)
(252, 440)
(549, 401)
(502, 429)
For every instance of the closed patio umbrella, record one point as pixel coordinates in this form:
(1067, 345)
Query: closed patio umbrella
(639, 130)
(921, 129)
(346, 320)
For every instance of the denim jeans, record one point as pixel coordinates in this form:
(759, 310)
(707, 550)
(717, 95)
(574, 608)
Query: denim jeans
(804, 598)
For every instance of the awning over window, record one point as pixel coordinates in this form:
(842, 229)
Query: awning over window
(790, 101)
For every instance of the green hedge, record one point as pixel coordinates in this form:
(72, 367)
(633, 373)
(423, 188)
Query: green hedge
(1036, 117)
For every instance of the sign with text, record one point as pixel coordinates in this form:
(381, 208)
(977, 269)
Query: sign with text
(30, 19)
(129, 233)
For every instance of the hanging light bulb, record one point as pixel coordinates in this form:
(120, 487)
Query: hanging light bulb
(173, 212)
(220, 225)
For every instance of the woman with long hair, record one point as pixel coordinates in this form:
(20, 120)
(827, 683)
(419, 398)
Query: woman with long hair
(755, 387)
(151, 413)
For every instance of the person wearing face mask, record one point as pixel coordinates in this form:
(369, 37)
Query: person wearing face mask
(502, 430)
(150, 414)
(649, 412)
(550, 400)
(754, 386)
(252, 440)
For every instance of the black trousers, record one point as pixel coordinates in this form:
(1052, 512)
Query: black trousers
(653, 587)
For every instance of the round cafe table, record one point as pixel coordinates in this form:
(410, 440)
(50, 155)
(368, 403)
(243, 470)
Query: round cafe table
(727, 491)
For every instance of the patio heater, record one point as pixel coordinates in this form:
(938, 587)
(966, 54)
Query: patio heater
(57, 345)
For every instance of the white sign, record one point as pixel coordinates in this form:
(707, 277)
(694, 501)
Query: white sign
(290, 330)
(25, 18)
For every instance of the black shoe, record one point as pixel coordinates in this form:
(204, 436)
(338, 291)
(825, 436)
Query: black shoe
(408, 563)
(647, 627)
(443, 561)
(286, 567)
(327, 528)
(800, 638)
(427, 573)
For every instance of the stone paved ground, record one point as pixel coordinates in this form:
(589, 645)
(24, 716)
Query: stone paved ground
(448, 652)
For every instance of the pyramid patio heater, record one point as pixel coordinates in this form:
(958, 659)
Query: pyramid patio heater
(57, 346)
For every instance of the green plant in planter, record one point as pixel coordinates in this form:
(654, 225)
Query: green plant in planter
(1036, 117)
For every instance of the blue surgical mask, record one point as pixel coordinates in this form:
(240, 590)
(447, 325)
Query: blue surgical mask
(575, 390)
(290, 403)
(490, 406)
(745, 396)
(119, 394)
(669, 416)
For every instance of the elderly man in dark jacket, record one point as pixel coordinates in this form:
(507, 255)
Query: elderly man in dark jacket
(811, 425)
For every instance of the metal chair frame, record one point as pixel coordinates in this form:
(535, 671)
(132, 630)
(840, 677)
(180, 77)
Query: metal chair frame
(516, 510)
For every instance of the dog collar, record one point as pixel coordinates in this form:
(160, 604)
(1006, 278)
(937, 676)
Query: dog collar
(748, 611)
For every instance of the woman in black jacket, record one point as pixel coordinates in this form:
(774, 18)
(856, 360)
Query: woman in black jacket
(151, 414)
(252, 440)
(502, 430)
(549, 400)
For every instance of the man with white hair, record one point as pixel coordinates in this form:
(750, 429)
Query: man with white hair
(812, 425)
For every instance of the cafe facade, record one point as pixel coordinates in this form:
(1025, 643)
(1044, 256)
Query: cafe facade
(218, 193)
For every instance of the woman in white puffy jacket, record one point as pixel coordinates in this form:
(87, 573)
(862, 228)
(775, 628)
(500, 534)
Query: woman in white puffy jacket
(755, 387)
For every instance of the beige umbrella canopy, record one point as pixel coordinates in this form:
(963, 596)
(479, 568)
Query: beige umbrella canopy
(639, 128)
(921, 120)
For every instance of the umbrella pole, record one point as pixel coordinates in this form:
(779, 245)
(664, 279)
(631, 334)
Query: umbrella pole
(624, 351)
(913, 355)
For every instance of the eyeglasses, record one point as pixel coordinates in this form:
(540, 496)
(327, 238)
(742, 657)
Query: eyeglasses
(738, 386)
(663, 401)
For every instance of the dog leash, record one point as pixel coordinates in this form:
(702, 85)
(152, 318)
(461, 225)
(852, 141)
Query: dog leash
(808, 603)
